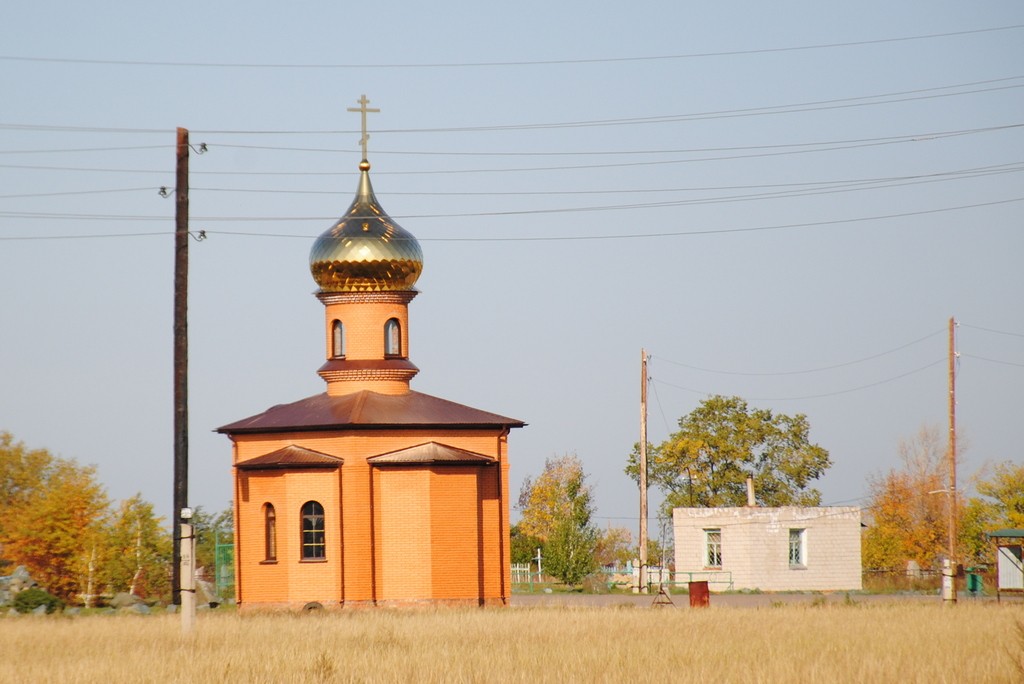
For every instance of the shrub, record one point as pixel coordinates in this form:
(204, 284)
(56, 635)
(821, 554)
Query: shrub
(30, 599)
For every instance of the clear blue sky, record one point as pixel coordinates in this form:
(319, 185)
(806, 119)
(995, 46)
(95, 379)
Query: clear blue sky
(746, 188)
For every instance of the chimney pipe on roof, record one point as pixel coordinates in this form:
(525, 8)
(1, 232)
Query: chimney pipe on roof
(751, 502)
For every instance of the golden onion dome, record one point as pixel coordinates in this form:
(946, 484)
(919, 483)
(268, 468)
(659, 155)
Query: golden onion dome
(365, 251)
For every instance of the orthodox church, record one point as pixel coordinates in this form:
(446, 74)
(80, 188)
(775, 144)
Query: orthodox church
(370, 493)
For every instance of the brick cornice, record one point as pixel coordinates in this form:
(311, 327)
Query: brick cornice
(368, 374)
(395, 297)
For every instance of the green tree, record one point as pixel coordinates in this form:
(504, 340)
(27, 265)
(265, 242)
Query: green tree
(723, 442)
(977, 517)
(571, 548)
(524, 546)
(139, 551)
(210, 530)
(557, 508)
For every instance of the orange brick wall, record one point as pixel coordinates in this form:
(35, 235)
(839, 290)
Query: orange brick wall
(394, 534)
(289, 578)
(403, 527)
(460, 533)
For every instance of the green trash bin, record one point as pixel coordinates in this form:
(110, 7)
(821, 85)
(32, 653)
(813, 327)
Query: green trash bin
(974, 584)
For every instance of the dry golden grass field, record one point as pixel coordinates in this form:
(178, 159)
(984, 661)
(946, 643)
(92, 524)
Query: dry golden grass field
(876, 642)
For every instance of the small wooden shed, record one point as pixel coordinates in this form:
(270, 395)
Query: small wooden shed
(1009, 561)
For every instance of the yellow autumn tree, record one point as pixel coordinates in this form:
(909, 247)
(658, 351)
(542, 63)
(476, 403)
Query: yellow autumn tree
(615, 547)
(54, 534)
(1005, 489)
(544, 502)
(999, 504)
(22, 472)
(53, 512)
(907, 514)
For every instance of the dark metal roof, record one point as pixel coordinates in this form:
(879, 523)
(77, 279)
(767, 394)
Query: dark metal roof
(290, 457)
(431, 452)
(1009, 533)
(367, 410)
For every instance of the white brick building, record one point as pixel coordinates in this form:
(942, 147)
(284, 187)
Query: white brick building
(769, 549)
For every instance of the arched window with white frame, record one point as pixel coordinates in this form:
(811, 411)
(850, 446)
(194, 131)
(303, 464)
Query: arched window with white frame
(392, 338)
(269, 533)
(337, 340)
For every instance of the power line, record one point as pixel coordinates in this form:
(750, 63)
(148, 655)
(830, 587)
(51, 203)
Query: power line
(89, 149)
(795, 190)
(73, 193)
(809, 370)
(632, 207)
(43, 128)
(780, 150)
(521, 63)
(30, 167)
(990, 330)
(550, 238)
(838, 184)
(982, 358)
(680, 233)
(446, 172)
(802, 189)
(814, 396)
(661, 409)
(95, 236)
(814, 105)
(852, 143)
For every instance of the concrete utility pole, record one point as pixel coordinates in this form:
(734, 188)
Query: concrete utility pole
(951, 490)
(642, 581)
(188, 572)
(180, 354)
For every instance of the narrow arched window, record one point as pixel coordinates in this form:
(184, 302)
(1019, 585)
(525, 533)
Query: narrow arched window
(313, 536)
(392, 338)
(337, 340)
(269, 532)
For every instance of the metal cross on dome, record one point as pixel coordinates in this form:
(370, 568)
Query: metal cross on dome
(363, 109)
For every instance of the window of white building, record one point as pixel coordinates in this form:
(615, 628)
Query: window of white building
(713, 548)
(798, 548)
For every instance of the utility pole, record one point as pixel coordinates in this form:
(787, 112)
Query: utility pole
(642, 581)
(188, 571)
(180, 355)
(951, 490)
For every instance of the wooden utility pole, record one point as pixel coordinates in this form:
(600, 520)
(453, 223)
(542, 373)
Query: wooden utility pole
(180, 355)
(951, 490)
(642, 582)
